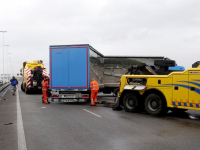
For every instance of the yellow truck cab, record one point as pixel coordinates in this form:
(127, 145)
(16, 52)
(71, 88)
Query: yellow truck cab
(178, 91)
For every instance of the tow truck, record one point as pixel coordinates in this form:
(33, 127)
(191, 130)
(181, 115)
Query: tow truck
(32, 75)
(157, 93)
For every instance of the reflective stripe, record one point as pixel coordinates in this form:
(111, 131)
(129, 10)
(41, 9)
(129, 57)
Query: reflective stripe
(92, 85)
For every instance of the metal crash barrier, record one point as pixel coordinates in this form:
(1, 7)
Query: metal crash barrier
(3, 86)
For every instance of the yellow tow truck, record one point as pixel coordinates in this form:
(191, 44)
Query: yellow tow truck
(177, 91)
(32, 75)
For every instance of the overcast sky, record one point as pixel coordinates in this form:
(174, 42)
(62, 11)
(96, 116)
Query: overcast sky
(169, 28)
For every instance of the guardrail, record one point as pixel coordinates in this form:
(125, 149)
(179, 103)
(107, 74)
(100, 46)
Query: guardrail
(3, 86)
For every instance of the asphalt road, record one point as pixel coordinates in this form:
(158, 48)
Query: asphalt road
(75, 126)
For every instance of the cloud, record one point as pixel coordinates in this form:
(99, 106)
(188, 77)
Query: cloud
(132, 27)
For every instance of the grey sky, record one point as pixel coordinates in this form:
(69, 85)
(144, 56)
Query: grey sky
(169, 28)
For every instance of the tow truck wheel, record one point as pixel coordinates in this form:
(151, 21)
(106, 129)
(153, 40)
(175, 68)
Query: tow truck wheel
(130, 102)
(22, 87)
(26, 90)
(155, 105)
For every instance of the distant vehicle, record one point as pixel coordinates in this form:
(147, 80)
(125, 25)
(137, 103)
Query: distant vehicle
(1, 81)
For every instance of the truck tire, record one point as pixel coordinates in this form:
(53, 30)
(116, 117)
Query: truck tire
(115, 91)
(155, 105)
(26, 90)
(177, 110)
(130, 102)
(164, 63)
(22, 87)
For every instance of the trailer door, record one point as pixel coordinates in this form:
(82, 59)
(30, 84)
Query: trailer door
(59, 67)
(78, 67)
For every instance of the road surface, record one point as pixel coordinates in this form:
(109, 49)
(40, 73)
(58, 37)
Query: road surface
(27, 123)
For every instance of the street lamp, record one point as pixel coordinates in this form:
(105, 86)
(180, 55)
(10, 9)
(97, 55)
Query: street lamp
(7, 60)
(11, 65)
(3, 52)
(8, 66)
(12, 71)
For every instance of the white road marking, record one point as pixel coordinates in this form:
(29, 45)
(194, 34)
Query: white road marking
(43, 107)
(92, 113)
(20, 127)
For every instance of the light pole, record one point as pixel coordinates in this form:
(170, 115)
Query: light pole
(8, 66)
(11, 68)
(7, 60)
(12, 71)
(3, 53)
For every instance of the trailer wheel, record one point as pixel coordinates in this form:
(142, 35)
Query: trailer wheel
(22, 87)
(155, 105)
(130, 102)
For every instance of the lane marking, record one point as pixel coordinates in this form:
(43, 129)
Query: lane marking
(20, 127)
(43, 107)
(91, 113)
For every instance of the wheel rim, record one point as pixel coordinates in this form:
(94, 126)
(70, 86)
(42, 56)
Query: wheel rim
(130, 102)
(154, 104)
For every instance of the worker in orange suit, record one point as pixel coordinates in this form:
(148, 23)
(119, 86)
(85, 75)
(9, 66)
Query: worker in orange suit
(45, 92)
(94, 86)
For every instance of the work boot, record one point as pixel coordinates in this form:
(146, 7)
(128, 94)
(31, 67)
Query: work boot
(46, 102)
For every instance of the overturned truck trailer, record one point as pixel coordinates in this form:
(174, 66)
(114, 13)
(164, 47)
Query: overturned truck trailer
(73, 66)
(108, 70)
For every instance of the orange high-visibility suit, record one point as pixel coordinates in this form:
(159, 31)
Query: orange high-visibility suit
(94, 86)
(45, 92)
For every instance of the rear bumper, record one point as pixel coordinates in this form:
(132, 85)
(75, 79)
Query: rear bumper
(69, 100)
(69, 96)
